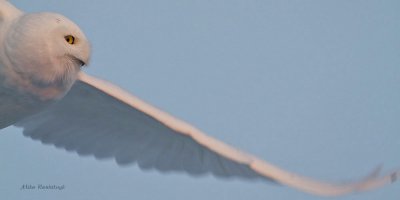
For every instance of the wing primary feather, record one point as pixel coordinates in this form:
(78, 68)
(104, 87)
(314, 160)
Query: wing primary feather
(260, 167)
(114, 123)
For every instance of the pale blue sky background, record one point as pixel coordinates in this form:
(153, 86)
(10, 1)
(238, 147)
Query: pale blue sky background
(312, 86)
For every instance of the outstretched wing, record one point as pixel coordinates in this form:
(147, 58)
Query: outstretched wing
(100, 119)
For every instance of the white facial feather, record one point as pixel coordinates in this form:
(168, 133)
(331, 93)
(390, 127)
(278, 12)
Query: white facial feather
(37, 52)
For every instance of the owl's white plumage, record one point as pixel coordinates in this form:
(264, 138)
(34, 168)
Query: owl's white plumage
(38, 66)
(35, 53)
(38, 40)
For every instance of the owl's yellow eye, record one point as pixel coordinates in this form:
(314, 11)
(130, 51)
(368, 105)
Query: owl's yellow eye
(70, 39)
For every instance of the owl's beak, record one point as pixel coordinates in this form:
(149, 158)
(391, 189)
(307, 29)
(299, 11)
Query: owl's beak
(81, 63)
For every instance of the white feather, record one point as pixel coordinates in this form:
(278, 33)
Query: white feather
(100, 119)
(115, 124)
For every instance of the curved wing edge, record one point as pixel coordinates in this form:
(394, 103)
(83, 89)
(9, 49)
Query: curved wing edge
(261, 167)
